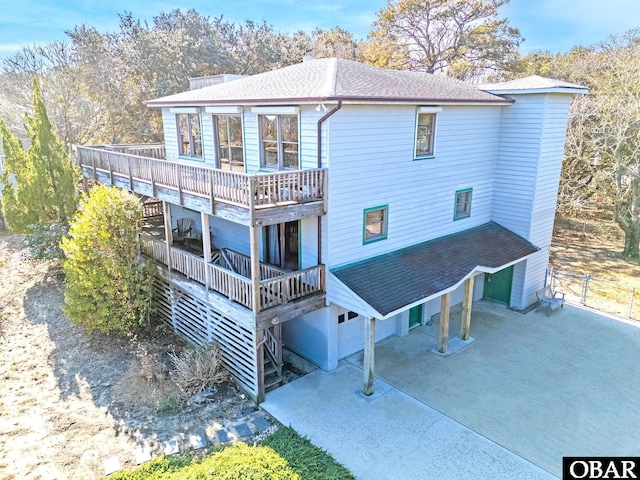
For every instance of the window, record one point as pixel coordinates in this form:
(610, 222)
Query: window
(425, 135)
(463, 204)
(375, 224)
(350, 316)
(189, 134)
(279, 141)
(228, 130)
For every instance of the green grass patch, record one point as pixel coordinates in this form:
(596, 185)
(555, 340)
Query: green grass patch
(307, 460)
(285, 455)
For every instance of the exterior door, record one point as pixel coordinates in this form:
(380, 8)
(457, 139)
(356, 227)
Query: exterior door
(415, 316)
(282, 245)
(497, 286)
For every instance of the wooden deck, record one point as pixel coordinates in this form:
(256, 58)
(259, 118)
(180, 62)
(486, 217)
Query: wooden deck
(256, 199)
(228, 274)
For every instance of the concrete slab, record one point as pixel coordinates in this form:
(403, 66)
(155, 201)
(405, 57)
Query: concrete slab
(454, 345)
(171, 447)
(197, 441)
(543, 387)
(111, 465)
(389, 435)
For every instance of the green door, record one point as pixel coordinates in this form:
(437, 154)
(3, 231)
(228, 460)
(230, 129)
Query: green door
(415, 316)
(498, 285)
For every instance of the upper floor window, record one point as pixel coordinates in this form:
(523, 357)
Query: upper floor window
(228, 129)
(189, 134)
(425, 132)
(375, 224)
(279, 141)
(463, 204)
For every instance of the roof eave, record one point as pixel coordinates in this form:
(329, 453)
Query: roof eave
(523, 91)
(345, 100)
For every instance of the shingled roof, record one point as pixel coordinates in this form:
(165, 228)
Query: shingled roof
(395, 280)
(533, 83)
(334, 79)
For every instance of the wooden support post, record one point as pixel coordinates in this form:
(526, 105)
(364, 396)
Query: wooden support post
(255, 269)
(179, 184)
(255, 254)
(260, 364)
(85, 184)
(369, 354)
(206, 246)
(168, 233)
(466, 309)
(444, 323)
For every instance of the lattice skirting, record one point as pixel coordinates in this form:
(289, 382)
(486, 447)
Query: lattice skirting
(198, 322)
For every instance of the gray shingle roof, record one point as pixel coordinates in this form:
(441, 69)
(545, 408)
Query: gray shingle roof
(333, 79)
(395, 280)
(533, 82)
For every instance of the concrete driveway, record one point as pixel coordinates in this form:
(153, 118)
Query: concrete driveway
(529, 390)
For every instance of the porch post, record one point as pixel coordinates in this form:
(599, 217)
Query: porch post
(466, 309)
(168, 234)
(444, 323)
(369, 354)
(255, 269)
(206, 245)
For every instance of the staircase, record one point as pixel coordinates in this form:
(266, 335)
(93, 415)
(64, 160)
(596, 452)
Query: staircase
(273, 363)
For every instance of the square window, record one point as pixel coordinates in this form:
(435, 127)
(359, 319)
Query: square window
(375, 224)
(425, 138)
(463, 204)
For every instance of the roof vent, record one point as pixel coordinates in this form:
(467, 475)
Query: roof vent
(307, 58)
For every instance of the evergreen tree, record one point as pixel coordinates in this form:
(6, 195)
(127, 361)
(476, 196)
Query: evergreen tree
(45, 178)
(107, 285)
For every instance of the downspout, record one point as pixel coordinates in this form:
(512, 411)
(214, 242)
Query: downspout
(327, 115)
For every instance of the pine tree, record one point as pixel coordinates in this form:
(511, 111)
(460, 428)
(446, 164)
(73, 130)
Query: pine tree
(45, 177)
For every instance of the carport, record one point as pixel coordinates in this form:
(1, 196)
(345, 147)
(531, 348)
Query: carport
(396, 282)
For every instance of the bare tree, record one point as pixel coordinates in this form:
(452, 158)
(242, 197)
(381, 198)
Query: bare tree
(465, 39)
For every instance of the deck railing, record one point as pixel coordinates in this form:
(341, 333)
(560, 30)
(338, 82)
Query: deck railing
(239, 188)
(276, 287)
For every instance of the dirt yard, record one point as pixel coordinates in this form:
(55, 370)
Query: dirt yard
(592, 246)
(67, 401)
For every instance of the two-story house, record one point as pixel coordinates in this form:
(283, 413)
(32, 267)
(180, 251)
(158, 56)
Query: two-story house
(331, 204)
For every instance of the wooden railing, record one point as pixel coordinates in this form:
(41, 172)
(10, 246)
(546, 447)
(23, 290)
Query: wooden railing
(220, 185)
(276, 287)
(153, 150)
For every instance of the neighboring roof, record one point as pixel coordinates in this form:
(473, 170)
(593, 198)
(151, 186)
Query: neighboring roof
(531, 84)
(334, 79)
(395, 280)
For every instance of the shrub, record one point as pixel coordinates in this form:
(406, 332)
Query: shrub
(108, 285)
(198, 368)
(44, 241)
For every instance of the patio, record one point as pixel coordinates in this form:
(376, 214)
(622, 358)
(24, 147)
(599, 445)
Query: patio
(541, 387)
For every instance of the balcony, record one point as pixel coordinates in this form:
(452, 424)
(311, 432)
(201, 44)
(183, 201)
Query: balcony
(250, 199)
(228, 273)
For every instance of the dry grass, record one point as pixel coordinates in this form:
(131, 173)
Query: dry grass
(198, 368)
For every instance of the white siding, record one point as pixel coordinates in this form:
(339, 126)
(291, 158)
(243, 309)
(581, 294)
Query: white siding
(371, 163)
(309, 242)
(208, 142)
(314, 336)
(170, 134)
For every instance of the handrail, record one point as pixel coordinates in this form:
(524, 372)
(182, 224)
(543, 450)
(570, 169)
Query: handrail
(266, 188)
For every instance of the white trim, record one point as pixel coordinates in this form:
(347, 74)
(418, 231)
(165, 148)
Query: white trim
(328, 103)
(185, 110)
(429, 109)
(573, 91)
(223, 110)
(276, 110)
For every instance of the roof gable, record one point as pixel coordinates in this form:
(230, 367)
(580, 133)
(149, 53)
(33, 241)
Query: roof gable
(334, 79)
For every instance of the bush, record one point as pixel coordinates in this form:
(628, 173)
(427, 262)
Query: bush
(198, 368)
(44, 241)
(239, 461)
(108, 285)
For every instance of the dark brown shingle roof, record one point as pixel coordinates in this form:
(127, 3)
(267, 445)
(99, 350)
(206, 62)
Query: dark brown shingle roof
(333, 79)
(395, 280)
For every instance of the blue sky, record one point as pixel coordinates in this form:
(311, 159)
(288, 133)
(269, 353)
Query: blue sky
(555, 25)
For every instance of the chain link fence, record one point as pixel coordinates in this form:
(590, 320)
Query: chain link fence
(597, 293)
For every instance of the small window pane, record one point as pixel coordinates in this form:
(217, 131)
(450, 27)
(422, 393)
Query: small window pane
(269, 127)
(223, 131)
(235, 131)
(183, 133)
(270, 152)
(290, 155)
(375, 224)
(463, 204)
(424, 134)
(289, 125)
